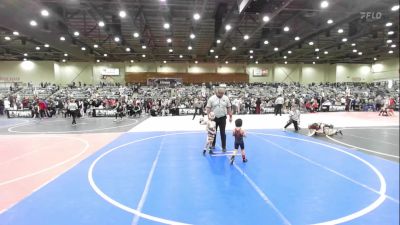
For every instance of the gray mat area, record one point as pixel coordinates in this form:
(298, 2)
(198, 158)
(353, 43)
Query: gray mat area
(64, 126)
(373, 140)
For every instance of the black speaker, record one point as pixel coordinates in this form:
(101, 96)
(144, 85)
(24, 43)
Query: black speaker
(353, 28)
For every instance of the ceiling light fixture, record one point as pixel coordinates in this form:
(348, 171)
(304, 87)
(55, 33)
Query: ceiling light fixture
(218, 41)
(265, 19)
(166, 26)
(37, 48)
(389, 24)
(192, 36)
(16, 33)
(44, 13)
(289, 52)
(390, 32)
(340, 30)
(83, 49)
(228, 27)
(311, 43)
(276, 49)
(169, 40)
(62, 38)
(33, 23)
(390, 52)
(143, 56)
(181, 56)
(7, 38)
(101, 24)
(117, 39)
(246, 37)
(128, 49)
(46, 45)
(95, 46)
(326, 52)
(65, 54)
(136, 35)
(190, 47)
(233, 48)
(324, 4)
(395, 8)
(25, 54)
(170, 50)
(144, 46)
(360, 53)
(330, 21)
(76, 33)
(105, 54)
(344, 39)
(297, 38)
(266, 42)
(196, 16)
(122, 14)
(286, 29)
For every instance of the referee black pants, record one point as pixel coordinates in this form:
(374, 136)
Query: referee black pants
(278, 109)
(221, 123)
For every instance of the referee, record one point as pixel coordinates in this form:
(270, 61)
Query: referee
(221, 106)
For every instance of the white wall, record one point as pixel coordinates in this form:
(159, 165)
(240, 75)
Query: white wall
(98, 67)
(353, 72)
(27, 71)
(66, 73)
(287, 73)
(202, 68)
(268, 77)
(88, 72)
(387, 69)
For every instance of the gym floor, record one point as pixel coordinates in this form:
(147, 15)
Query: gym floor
(152, 171)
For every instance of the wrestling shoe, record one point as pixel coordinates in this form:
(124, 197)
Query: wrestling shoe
(232, 159)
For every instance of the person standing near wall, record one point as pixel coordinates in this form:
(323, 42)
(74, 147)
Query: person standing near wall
(198, 107)
(278, 105)
(73, 109)
(220, 104)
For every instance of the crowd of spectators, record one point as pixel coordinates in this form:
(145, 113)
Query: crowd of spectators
(47, 100)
